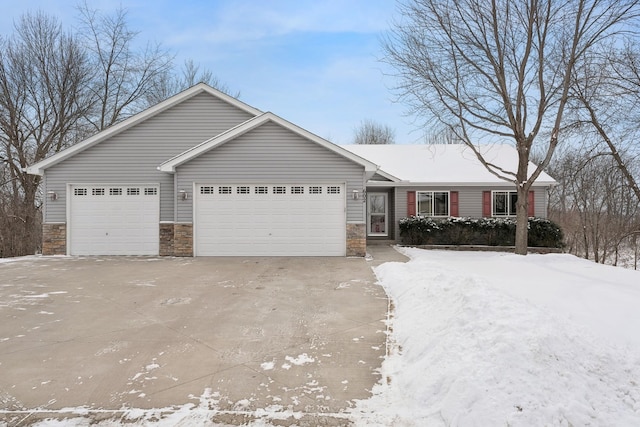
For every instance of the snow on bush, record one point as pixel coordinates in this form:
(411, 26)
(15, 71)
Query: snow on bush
(417, 230)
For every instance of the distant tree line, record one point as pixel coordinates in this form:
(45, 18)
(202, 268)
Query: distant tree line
(59, 86)
(595, 204)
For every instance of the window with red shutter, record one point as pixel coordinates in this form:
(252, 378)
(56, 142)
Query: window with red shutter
(532, 204)
(453, 200)
(486, 203)
(411, 203)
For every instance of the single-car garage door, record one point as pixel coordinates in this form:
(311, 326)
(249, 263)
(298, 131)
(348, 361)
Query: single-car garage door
(114, 220)
(270, 220)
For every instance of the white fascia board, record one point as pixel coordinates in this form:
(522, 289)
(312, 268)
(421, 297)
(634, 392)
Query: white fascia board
(244, 127)
(452, 184)
(368, 165)
(387, 175)
(171, 164)
(38, 168)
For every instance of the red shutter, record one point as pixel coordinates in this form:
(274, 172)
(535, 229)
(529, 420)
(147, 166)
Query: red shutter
(453, 200)
(411, 203)
(486, 203)
(532, 204)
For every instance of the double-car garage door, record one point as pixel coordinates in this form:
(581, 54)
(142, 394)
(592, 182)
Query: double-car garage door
(229, 220)
(270, 220)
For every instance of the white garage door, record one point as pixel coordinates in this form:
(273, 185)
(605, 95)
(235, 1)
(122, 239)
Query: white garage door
(270, 220)
(114, 220)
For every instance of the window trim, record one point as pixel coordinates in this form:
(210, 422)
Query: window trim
(493, 204)
(432, 192)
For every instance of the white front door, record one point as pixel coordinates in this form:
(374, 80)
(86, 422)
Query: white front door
(270, 219)
(377, 214)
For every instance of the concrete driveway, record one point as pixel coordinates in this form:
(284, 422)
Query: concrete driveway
(95, 336)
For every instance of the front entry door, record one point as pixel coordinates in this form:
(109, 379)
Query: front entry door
(377, 214)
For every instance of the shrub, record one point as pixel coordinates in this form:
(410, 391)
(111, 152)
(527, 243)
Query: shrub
(545, 234)
(483, 231)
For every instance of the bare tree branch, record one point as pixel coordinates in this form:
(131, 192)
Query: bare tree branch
(370, 132)
(500, 71)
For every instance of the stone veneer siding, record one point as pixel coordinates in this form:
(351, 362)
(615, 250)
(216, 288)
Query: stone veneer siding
(54, 239)
(166, 239)
(183, 239)
(356, 240)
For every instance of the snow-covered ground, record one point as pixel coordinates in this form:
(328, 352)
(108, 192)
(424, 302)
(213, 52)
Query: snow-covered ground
(499, 339)
(495, 339)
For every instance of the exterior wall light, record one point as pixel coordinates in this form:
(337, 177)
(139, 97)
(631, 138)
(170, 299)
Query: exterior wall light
(52, 195)
(356, 194)
(183, 194)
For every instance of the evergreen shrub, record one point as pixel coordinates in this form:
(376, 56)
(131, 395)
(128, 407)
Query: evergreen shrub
(416, 230)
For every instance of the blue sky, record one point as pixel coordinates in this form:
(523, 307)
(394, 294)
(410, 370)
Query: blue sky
(314, 63)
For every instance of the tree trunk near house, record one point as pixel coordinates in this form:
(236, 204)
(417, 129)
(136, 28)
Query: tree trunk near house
(522, 221)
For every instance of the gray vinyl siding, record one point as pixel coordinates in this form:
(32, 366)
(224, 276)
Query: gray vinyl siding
(469, 201)
(271, 154)
(133, 155)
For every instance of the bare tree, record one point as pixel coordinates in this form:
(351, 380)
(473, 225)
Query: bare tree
(56, 89)
(123, 74)
(43, 78)
(593, 204)
(173, 81)
(499, 71)
(370, 132)
(442, 136)
(607, 90)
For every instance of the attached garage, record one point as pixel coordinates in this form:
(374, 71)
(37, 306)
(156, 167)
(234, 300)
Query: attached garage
(203, 174)
(113, 219)
(270, 219)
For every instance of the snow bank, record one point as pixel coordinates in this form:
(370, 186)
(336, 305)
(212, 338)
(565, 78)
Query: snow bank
(477, 345)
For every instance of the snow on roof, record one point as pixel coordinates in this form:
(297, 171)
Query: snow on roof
(443, 163)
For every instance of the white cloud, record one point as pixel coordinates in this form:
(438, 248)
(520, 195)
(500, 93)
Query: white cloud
(241, 21)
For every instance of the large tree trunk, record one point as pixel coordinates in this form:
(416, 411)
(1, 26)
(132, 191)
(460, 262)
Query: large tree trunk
(522, 221)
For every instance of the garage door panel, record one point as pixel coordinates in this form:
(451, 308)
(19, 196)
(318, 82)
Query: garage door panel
(293, 223)
(114, 220)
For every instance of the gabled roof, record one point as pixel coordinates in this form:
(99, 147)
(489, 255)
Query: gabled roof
(38, 168)
(218, 140)
(443, 164)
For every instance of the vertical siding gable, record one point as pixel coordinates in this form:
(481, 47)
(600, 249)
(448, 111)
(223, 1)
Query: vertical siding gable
(133, 155)
(272, 153)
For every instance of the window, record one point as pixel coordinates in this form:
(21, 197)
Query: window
(115, 191)
(150, 191)
(432, 203)
(333, 190)
(133, 191)
(279, 190)
(206, 190)
(297, 190)
(262, 189)
(79, 191)
(242, 190)
(224, 190)
(315, 190)
(503, 203)
(97, 191)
